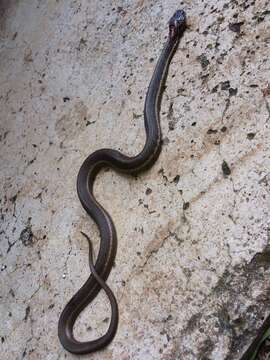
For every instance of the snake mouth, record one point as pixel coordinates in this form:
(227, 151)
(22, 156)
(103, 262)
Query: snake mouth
(177, 23)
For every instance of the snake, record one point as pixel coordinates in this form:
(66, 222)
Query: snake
(100, 271)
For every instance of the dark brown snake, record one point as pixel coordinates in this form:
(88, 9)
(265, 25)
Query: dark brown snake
(86, 177)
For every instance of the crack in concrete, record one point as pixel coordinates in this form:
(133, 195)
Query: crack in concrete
(68, 254)
(152, 252)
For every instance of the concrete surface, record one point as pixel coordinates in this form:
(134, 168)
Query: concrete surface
(192, 273)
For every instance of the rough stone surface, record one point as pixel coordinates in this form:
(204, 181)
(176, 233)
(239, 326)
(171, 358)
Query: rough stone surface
(192, 272)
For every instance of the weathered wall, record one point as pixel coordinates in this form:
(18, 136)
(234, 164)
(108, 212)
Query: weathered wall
(192, 272)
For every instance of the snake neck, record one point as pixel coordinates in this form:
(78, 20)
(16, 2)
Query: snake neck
(152, 104)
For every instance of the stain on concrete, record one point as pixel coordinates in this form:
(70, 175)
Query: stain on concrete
(26, 235)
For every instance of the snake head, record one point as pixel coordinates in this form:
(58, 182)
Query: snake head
(177, 23)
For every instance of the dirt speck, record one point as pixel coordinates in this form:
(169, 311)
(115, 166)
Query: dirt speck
(203, 61)
(26, 236)
(236, 27)
(251, 136)
(225, 169)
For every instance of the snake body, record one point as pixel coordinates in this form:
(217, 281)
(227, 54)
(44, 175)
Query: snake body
(85, 180)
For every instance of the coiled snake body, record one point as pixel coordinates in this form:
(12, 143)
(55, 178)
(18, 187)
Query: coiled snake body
(88, 171)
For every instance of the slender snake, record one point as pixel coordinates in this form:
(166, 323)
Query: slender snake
(85, 180)
(108, 240)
